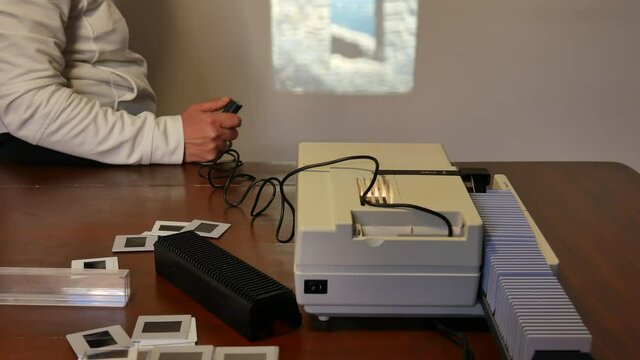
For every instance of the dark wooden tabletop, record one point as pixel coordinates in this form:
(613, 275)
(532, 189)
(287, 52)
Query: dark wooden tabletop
(588, 211)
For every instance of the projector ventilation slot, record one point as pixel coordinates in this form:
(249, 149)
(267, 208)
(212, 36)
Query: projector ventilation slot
(380, 192)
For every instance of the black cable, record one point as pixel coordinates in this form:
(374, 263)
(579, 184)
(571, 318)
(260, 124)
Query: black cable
(456, 337)
(225, 170)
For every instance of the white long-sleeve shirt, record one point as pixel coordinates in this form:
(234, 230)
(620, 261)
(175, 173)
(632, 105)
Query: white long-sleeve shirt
(69, 83)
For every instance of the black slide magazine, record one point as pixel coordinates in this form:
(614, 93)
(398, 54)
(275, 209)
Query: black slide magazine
(248, 300)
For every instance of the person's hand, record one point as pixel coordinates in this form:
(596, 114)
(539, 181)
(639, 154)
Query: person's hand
(207, 131)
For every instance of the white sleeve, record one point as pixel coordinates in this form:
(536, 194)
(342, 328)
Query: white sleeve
(36, 106)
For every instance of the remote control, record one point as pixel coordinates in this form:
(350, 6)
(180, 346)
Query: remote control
(232, 107)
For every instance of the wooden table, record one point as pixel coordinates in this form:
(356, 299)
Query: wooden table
(588, 212)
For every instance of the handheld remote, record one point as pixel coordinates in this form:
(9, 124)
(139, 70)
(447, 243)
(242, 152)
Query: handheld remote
(232, 107)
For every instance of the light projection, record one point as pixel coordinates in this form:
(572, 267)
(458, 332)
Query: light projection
(344, 47)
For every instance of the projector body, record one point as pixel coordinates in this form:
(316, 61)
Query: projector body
(353, 259)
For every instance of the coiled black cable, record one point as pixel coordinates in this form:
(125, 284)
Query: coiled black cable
(226, 170)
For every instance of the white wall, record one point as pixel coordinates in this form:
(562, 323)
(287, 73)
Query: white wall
(495, 79)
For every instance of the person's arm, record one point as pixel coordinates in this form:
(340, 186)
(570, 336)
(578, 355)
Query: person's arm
(36, 105)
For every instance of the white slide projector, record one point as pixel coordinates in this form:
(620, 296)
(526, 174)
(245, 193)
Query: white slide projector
(352, 259)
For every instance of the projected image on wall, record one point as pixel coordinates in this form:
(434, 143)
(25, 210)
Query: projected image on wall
(344, 46)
